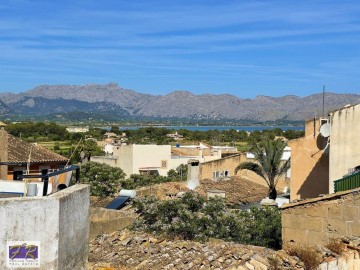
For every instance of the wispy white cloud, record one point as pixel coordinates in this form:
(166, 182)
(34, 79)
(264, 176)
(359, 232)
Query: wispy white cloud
(190, 41)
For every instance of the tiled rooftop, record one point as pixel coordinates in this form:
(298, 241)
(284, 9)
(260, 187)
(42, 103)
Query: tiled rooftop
(18, 152)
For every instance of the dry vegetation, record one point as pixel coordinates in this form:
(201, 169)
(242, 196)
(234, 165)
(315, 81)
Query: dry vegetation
(308, 254)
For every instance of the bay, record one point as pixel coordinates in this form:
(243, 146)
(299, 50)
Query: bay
(220, 128)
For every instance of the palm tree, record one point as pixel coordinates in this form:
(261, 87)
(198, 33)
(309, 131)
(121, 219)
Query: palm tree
(268, 163)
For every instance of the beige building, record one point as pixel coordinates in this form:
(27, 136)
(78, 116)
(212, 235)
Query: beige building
(320, 158)
(309, 163)
(344, 142)
(135, 159)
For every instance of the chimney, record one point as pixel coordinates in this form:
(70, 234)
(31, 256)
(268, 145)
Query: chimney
(3, 153)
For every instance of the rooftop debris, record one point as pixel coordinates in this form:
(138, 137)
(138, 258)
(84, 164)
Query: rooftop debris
(134, 250)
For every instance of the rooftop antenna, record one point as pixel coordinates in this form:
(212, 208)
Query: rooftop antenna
(323, 109)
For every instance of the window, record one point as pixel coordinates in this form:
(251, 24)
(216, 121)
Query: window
(216, 175)
(16, 175)
(164, 164)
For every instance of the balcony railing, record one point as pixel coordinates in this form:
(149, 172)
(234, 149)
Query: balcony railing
(348, 182)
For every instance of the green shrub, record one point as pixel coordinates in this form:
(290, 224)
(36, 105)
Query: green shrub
(104, 180)
(191, 217)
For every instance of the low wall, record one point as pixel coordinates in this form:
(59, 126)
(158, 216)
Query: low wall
(107, 220)
(58, 225)
(315, 221)
(349, 260)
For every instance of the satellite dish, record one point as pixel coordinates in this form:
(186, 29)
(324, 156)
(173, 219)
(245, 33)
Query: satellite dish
(192, 184)
(325, 130)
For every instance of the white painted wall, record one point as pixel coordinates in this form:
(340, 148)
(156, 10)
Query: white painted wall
(130, 158)
(150, 156)
(344, 142)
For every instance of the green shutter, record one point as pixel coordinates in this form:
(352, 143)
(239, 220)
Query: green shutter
(348, 182)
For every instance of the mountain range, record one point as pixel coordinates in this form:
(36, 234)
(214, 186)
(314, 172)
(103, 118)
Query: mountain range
(112, 101)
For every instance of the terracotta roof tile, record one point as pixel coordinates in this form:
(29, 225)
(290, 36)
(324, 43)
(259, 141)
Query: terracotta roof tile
(18, 152)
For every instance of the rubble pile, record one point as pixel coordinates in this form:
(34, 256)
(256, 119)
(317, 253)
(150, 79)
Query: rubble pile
(134, 250)
(237, 190)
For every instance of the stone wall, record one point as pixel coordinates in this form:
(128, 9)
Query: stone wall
(107, 220)
(59, 223)
(349, 260)
(316, 221)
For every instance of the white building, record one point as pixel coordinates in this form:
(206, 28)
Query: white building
(136, 159)
(77, 129)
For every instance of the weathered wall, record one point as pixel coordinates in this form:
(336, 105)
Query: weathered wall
(225, 164)
(309, 164)
(107, 220)
(59, 222)
(315, 221)
(229, 164)
(73, 227)
(345, 142)
(109, 160)
(187, 151)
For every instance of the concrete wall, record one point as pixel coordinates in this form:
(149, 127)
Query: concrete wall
(107, 220)
(315, 221)
(309, 163)
(60, 222)
(345, 142)
(109, 160)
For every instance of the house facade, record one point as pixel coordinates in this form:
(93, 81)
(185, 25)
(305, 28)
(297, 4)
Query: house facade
(344, 143)
(19, 157)
(309, 163)
(321, 158)
(153, 159)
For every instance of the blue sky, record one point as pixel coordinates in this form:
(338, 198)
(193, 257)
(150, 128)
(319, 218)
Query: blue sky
(245, 48)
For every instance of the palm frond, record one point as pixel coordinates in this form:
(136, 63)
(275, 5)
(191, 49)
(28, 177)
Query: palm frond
(251, 166)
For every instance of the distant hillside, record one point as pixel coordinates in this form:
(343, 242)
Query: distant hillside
(3, 108)
(42, 106)
(113, 101)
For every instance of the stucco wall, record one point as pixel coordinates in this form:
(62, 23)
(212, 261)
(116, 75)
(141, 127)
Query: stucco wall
(345, 142)
(309, 164)
(150, 155)
(315, 221)
(60, 223)
(225, 164)
(111, 161)
(107, 220)
(125, 158)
